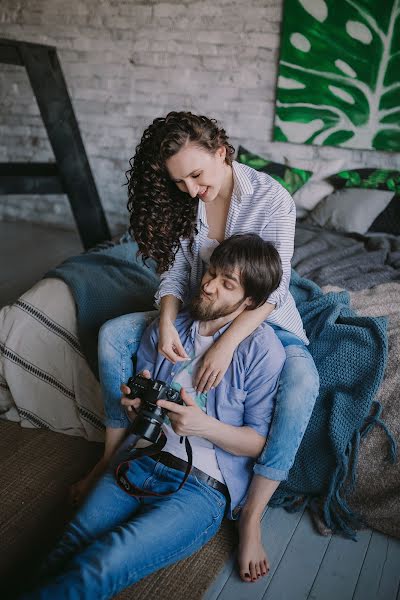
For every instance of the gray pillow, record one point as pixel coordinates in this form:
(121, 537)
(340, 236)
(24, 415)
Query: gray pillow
(350, 209)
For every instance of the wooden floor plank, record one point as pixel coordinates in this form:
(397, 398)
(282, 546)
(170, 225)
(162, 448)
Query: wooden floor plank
(372, 568)
(278, 528)
(390, 579)
(217, 585)
(299, 565)
(339, 571)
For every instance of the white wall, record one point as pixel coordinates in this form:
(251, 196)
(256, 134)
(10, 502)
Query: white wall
(127, 62)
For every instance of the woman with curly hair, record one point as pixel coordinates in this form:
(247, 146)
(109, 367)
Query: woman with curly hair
(186, 195)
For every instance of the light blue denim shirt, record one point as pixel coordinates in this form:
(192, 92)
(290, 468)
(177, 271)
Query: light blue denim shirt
(245, 396)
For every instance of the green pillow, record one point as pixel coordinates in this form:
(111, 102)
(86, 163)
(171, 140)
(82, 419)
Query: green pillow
(291, 178)
(373, 179)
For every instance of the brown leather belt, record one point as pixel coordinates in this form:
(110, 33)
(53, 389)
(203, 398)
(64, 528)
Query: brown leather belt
(169, 460)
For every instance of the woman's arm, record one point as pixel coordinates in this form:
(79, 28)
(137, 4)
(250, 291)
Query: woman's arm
(169, 343)
(280, 231)
(175, 281)
(246, 323)
(219, 356)
(173, 288)
(169, 308)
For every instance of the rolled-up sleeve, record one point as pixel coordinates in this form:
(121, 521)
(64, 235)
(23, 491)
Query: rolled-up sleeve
(175, 281)
(280, 231)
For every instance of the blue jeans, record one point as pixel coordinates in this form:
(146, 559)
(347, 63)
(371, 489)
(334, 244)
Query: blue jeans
(297, 391)
(115, 540)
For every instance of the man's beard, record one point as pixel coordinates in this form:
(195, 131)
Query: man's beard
(203, 310)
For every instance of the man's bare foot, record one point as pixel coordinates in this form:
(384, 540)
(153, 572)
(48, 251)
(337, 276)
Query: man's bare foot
(252, 559)
(79, 490)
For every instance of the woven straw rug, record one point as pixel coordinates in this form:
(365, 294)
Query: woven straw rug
(36, 468)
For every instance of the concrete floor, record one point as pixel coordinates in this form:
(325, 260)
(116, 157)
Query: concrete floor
(27, 251)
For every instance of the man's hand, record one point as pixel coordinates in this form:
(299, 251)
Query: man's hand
(188, 419)
(132, 404)
(213, 365)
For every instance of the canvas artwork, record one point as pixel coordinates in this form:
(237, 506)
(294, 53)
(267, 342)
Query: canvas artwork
(339, 74)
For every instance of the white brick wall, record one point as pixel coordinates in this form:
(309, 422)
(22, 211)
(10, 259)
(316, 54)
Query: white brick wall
(127, 62)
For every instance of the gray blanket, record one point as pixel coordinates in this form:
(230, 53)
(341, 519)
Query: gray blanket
(350, 261)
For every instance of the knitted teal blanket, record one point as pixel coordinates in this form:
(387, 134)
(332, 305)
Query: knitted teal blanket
(107, 281)
(350, 353)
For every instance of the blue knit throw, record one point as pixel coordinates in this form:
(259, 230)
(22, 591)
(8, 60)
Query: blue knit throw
(350, 353)
(108, 281)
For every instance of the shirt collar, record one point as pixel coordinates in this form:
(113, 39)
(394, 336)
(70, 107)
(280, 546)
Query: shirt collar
(242, 186)
(194, 328)
(201, 213)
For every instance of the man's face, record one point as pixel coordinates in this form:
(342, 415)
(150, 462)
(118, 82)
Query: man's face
(220, 295)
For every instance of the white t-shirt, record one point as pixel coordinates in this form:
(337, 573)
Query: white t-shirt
(207, 249)
(204, 457)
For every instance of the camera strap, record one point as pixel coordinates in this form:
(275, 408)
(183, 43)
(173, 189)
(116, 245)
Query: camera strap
(153, 450)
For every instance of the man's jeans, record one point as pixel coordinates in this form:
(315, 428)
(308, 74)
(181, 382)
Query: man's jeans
(115, 540)
(297, 391)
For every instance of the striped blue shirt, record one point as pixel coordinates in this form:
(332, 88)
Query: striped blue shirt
(260, 205)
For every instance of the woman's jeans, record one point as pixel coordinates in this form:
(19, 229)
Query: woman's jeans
(297, 391)
(115, 539)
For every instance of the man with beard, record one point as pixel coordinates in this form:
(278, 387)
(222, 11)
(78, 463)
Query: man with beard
(117, 538)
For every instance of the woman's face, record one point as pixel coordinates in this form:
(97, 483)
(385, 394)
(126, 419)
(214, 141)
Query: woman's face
(200, 173)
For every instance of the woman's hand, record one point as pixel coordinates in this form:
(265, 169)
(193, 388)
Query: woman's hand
(213, 365)
(169, 343)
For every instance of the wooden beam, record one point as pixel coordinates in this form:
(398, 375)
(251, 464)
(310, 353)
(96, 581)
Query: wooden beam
(73, 170)
(9, 54)
(34, 178)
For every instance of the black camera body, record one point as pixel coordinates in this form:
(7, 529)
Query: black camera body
(150, 417)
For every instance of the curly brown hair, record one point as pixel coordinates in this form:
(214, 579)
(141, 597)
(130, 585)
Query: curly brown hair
(161, 214)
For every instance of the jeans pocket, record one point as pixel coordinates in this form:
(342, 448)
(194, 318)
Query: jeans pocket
(214, 495)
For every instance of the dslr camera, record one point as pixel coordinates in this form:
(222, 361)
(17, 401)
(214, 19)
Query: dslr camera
(150, 417)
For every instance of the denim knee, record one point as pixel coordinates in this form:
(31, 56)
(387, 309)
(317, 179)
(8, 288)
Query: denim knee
(297, 392)
(119, 341)
(299, 380)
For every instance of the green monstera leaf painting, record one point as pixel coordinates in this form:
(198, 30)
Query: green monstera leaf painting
(339, 74)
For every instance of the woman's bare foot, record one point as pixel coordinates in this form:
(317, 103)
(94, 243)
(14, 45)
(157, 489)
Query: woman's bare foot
(252, 559)
(79, 490)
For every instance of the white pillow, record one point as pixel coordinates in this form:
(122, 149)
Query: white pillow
(316, 188)
(351, 210)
